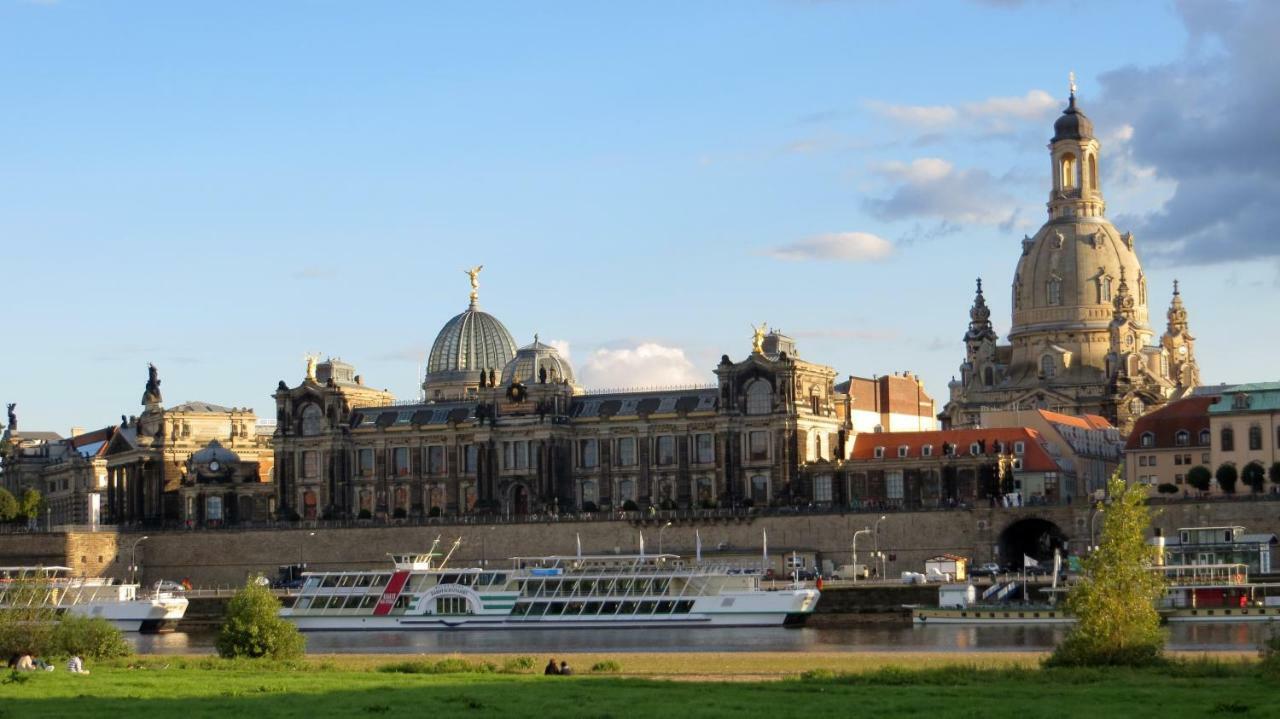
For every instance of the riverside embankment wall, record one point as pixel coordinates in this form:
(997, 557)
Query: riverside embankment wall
(224, 557)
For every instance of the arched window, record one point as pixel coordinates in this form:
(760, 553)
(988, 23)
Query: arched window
(1104, 289)
(759, 397)
(1148, 439)
(312, 420)
(1255, 437)
(626, 490)
(1204, 438)
(589, 492)
(1047, 366)
(1068, 176)
(1228, 440)
(1164, 364)
(1093, 172)
(817, 446)
(1137, 407)
(1053, 291)
(988, 376)
(1182, 438)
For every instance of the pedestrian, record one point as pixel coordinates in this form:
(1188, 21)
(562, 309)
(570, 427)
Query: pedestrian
(565, 669)
(551, 668)
(75, 665)
(24, 664)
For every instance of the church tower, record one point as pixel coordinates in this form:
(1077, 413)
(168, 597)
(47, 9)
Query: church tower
(1080, 341)
(1179, 346)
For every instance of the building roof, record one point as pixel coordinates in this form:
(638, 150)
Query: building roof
(531, 358)
(200, 408)
(1262, 397)
(37, 436)
(1035, 457)
(470, 342)
(1190, 414)
(643, 402)
(436, 413)
(1072, 124)
(92, 444)
(1082, 421)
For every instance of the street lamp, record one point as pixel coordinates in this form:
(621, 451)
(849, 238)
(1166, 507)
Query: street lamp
(1093, 544)
(855, 551)
(484, 547)
(660, 531)
(302, 546)
(133, 559)
(876, 538)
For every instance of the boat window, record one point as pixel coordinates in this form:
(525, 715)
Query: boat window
(302, 604)
(684, 606)
(628, 608)
(330, 580)
(666, 607)
(353, 602)
(346, 580)
(321, 603)
(642, 586)
(660, 586)
(623, 586)
(380, 580)
(574, 608)
(519, 610)
(554, 609)
(311, 583)
(587, 586)
(402, 601)
(363, 580)
(648, 607)
(368, 601)
(609, 608)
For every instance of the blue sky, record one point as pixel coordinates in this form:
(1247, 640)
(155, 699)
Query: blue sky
(220, 188)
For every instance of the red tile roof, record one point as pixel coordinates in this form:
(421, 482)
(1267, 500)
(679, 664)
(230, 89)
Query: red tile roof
(1034, 458)
(1190, 414)
(1082, 421)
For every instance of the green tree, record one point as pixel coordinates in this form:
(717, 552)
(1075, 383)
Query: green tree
(27, 618)
(1227, 476)
(8, 506)
(1200, 477)
(1115, 603)
(1254, 476)
(89, 638)
(253, 627)
(1274, 472)
(32, 504)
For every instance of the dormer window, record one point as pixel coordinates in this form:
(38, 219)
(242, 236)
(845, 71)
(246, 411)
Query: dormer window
(1241, 401)
(902, 451)
(879, 453)
(1204, 438)
(926, 451)
(975, 449)
(1147, 440)
(1019, 448)
(1182, 438)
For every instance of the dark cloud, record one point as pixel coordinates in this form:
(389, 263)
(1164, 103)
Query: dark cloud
(1208, 122)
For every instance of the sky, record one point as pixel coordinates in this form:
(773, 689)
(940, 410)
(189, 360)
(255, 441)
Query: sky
(222, 188)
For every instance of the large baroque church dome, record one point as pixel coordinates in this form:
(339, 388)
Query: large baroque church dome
(470, 342)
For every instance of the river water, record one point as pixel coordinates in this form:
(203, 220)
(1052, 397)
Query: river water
(866, 638)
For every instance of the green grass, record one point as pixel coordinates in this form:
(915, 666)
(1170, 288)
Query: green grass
(191, 688)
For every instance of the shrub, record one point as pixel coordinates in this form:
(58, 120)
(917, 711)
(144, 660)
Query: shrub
(26, 624)
(1167, 488)
(88, 637)
(365, 514)
(8, 506)
(630, 506)
(1254, 476)
(435, 512)
(399, 513)
(1199, 477)
(253, 627)
(452, 665)
(1274, 472)
(707, 504)
(1226, 476)
(31, 506)
(515, 665)
(608, 665)
(589, 507)
(1115, 603)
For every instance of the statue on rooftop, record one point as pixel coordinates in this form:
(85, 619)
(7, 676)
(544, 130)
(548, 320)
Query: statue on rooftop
(13, 417)
(152, 393)
(474, 274)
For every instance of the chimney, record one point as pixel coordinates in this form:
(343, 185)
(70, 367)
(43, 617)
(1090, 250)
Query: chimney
(77, 431)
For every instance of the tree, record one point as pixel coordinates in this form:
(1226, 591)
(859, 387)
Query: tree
(1275, 472)
(27, 618)
(1115, 603)
(88, 637)
(1200, 477)
(1254, 476)
(253, 627)
(1167, 488)
(8, 506)
(32, 504)
(1226, 476)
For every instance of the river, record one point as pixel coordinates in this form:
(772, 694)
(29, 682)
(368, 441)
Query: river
(866, 638)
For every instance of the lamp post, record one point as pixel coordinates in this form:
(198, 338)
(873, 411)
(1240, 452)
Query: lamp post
(484, 547)
(133, 558)
(876, 538)
(302, 546)
(855, 551)
(660, 531)
(1093, 544)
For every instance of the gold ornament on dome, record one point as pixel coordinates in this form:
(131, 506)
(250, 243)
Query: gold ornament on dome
(757, 338)
(474, 274)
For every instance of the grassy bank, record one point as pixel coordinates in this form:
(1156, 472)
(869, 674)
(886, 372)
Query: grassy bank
(641, 685)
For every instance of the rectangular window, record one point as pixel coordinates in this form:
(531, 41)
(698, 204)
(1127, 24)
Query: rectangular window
(400, 461)
(1177, 479)
(364, 462)
(758, 445)
(587, 456)
(822, 488)
(1142, 460)
(627, 452)
(435, 460)
(310, 464)
(666, 450)
(470, 458)
(1177, 460)
(1151, 460)
(893, 484)
(706, 449)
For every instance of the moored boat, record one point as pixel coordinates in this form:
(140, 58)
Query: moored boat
(123, 605)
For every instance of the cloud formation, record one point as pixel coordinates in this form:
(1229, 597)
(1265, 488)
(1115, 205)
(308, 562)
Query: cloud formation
(994, 116)
(933, 188)
(840, 246)
(647, 364)
(1207, 122)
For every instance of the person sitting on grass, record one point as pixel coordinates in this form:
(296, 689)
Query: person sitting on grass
(24, 664)
(565, 669)
(551, 668)
(40, 664)
(75, 665)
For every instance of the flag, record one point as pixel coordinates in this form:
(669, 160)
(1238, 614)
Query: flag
(697, 539)
(1028, 562)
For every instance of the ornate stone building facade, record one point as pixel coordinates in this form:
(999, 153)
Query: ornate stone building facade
(509, 431)
(1080, 342)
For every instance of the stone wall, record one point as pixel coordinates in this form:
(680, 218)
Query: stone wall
(226, 557)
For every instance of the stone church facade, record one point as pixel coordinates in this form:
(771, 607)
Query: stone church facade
(1081, 342)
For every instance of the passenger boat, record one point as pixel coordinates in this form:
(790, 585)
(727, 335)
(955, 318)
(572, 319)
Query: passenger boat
(121, 604)
(421, 592)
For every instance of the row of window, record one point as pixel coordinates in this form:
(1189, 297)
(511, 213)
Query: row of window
(664, 450)
(585, 609)
(569, 587)
(975, 449)
(1227, 438)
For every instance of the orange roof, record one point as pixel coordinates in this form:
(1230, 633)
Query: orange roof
(1034, 457)
(1190, 415)
(1085, 421)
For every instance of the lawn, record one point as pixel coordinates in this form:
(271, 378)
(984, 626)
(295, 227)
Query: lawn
(681, 685)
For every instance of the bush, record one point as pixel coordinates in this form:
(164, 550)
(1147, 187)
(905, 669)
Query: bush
(27, 622)
(253, 627)
(399, 513)
(707, 504)
(1167, 488)
(630, 506)
(435, 512)
(1226, 476)
(1199, 477)
(453, 665)
(365, 514)
(515, 665)
(607, 665)
(589, 507)
(88, 637)
(1254, 476)
(31, 506)
(8, 506)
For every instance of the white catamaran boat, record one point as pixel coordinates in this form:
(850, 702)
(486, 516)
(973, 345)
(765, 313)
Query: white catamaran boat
(557, 591)
(121, 604)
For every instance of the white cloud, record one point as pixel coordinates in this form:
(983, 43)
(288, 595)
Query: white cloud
(933, 188)
(648, 364)
(922, 169)
(562, 346)
(918, 115)
(994, 116)
(1035, 105)
(843, 246)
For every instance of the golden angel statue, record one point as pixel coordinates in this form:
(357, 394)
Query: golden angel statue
(757, 338)
(474, 274)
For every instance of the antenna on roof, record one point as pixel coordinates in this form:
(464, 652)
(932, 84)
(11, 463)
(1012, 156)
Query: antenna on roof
(452, 549)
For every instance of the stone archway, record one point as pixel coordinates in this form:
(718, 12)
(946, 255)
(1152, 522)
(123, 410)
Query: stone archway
(519, 499)
(1032, 537)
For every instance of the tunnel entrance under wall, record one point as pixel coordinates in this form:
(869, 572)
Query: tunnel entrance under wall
(1032, 537)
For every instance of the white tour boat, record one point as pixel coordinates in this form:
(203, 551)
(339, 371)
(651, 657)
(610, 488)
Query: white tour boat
(641, 590)
(121, 604)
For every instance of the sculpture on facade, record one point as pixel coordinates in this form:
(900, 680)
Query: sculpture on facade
(474, 275)
(13, 417)
(152, 393)
(311, 367)
(757, 337)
